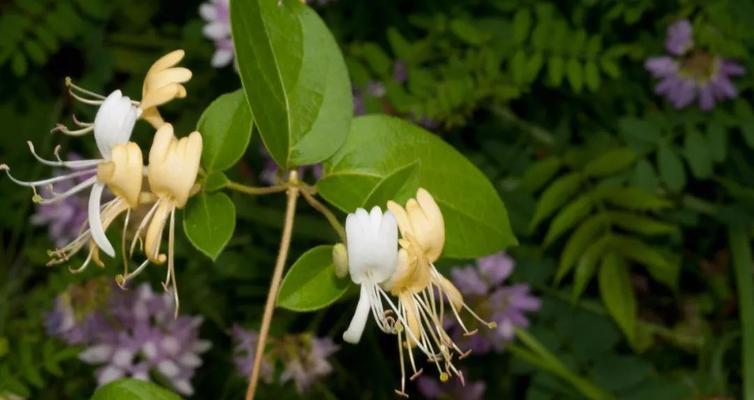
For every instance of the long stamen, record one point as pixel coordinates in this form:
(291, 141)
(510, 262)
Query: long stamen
(48, 181)
(143, 224)
(72, 86)
(76, 132)
(124, 254)
(70, 192)
(122, 280)
(78, 164)
(402, 392)
(84, 265)
(81, 123)
(171, 264)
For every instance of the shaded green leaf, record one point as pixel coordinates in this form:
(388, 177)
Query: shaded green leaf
(587, 265)
(577, 243)
(575, 74)
(634, 198)
(209, 222)
(641, 224)
(617, 294)
(698, 155)
(310, 283)
(569, 216)
(661, 268)
(226, 129)
(133, 389)
(540, 173)
(521, 25)
(555, 196)
(610, 162)
(671, 169)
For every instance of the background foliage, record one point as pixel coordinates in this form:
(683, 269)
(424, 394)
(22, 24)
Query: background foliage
(621, 204)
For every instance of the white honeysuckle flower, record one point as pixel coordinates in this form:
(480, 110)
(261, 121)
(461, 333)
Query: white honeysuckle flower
(172, 170)
(372, 246)
(114, 122)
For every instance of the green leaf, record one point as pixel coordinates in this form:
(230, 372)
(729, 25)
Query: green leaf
(540, 173)
(717, 138)
(638, 129)
(592, 76)
(209, 222)
(294, 78)
(311, 284)
(133, 389)
(555, 196)
(569, 216)
(226, 129)
(575, 74)
(521, 25)
(610, 67)
(671, 169)
(215, 181)
(533, 65)
(660, 267)
(644, 176)
(698, 155)
(641, 224)
(518, 67)
(587, 265)
(467, 31)
(610, 162)
(617, 294)
(555, 70)
(581, 238)
(380, 148)
(634, 198)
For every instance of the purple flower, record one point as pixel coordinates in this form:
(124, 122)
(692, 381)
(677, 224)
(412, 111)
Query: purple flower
(305, 357)
(134, 334)
(678, 38)
(455, 389)
(217, 29)
(245, 346)
(690, 74)
(63, 218)
(306, 360)
(507, 305)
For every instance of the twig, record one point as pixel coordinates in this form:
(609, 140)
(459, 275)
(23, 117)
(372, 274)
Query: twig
(239, 187)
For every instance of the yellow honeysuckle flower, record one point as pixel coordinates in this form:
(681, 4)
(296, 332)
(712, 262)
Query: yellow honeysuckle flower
(422, 290)
(172, 170)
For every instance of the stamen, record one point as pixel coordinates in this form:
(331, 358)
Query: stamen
(122, 279)
(78, 164)
(48, 181)
(171, 265)
(78, 132)
(84, 265)
(80, 123)
(123, 242)
(71, 86)
(143, 224)
(81, 186)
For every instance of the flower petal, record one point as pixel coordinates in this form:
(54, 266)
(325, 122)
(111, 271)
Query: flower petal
(95, 220)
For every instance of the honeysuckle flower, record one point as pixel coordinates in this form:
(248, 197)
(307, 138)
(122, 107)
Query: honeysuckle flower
(163, 82)
(690, 73)
(422, 290)
(372, 247)
(120, 169)
(172, 170)
(483, 286)
(134, 334)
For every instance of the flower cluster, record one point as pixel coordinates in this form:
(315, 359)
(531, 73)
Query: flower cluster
(482, 286)
(129, 333)
(376, 263)
(688, 73)
(305, 357)
(154, 191)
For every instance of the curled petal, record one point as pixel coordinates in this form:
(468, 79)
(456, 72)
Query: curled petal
(95, 220)
(359, 320)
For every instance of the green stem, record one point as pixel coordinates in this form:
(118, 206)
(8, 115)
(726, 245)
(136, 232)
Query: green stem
(538, 356)
(240, 187)
(742, 264)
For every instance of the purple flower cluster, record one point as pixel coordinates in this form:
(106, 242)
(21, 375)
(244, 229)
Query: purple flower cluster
(64, 218)
(430, 388)
(305, 357)
(129, 333)
(484, 291)
(688, 73)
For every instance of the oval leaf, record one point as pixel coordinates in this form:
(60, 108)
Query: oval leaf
(209, 221)
(611, 162)
(381, 148)
(133, 389)
(555, 196)
(311, 283)
(671, 169)
(226, 129)
(294, 77)
(617, 294)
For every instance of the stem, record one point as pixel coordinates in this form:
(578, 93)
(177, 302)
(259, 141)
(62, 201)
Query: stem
(277, 276)
(536, 132)
(742, 264)
(239, 187)
(540, 357)
(331, 218)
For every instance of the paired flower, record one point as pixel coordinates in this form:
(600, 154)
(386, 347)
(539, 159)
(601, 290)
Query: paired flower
(688, 73)
(409, 274)
(171, 174)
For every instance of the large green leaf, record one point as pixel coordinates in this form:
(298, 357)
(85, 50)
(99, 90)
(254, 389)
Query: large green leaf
(389, 158)
(311, 283)
(209, 222)
(133, 389)
(294, 77)
(226, 129)
(617, 294)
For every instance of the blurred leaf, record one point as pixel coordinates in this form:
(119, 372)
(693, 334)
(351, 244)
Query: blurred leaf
(634, 198)
(662, 269)
(294, 78)
(379, 147)
(587, 265)
(468, 32)
(575, 74)
(310, 283)
(555, 70)
(717, 138)
(617, 294)
(215, 181)
(540, 173)
(697, 152)
(226, 129)
(641, 224)
(592, 76)
(610, 162)
(644, 176)
(671, 169)
(209, 222)
(133, 389)
(568, 216)
(555, 196)
(638, 129)
(521, 25)
(577, 243)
